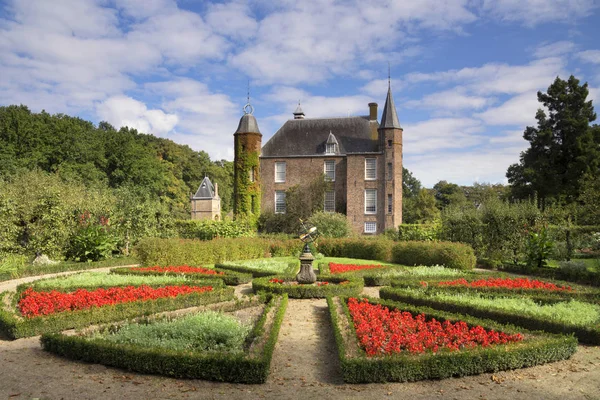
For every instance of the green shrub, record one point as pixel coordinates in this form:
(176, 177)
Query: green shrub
(263, 267)
(209, 229)
(92, 243)
(537, 348)
(363, 248)
(11, 265)
(352, 287)
(450, 255)
(331, 225)
(539, 248)
(229, 277)
(154, 251)
(250, 366)
(419, 232)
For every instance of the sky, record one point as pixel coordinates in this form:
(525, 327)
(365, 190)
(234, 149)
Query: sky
(464, 73)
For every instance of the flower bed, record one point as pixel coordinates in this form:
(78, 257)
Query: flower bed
(251, 365)
(335, 268)
(509, 283)
(263, 267)
(556, 315)
(323, 287)
(33, 304)
(34, 322)
(374, 347)
(193, 272)
(382, 331)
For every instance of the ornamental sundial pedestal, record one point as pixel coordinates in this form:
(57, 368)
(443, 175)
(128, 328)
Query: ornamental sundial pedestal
(308, 234)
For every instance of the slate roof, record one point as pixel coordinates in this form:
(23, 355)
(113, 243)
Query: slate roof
(206, 190)
(306, 137)
(248, 124)
(389, 118)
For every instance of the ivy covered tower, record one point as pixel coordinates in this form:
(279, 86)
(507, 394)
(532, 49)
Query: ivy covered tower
(246, 172)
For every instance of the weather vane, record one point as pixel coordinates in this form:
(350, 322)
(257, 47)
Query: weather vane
(248, 109)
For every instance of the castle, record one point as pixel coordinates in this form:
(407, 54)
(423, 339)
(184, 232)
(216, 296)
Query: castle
(359, 155)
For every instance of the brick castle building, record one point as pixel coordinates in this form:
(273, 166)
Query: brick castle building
(359, 155)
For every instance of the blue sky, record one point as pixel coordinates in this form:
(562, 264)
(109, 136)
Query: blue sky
(464, 72)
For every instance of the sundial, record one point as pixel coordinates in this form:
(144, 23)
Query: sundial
(307, 234)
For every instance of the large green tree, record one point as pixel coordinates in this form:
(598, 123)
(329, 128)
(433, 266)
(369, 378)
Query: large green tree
(564, 147)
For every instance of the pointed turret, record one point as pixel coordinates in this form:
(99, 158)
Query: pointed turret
(298, 113)
(389, 118)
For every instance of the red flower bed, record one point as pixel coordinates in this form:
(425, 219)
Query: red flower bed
(509, 283)
(340, 268)
(275, 280)
(33, 304)
(382, 331)
(182, 269)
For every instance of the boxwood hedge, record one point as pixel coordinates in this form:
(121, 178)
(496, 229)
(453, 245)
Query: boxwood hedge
(351, 287)
(252, 366)
(537, 348)
(229, 277)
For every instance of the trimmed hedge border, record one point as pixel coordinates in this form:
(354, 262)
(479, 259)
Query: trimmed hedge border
(35, 270)
(231, 278)
(352, 288)
(15, 326)
(547, 296)
(251, 366)
(448, 254)
(538, 348)
(293, 266)
(589, 335)
(591, 278)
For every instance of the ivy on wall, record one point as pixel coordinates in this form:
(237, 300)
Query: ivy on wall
(247, 194)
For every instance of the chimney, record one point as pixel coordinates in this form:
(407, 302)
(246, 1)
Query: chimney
(216, 189)
(373, 111)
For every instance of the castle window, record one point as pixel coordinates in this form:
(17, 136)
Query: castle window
(252, 174)
(370, 227)
(389, 203)
(252, 203)
(370, 201)
(280, 172)
(279, 202)
(329, 205)
(389, 143)
(329, 170)
(331, 148)
(390, 171)
(370, 169)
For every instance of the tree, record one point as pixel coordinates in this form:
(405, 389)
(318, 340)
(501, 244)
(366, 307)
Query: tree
(420, 209)
(410, 185)
(448, 193)
(563, 147)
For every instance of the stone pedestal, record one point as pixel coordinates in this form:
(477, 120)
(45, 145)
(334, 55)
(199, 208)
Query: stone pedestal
(306, 274)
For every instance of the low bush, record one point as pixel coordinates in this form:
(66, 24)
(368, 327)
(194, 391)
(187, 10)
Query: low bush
(250, 366)
(14, 326)
(154, 251)
(209, 229)
(558, 317)
(536, 348)
(363, 248)
(228, 277)
(419, 232)
(450, 255)
(331, 225)
(325, 286)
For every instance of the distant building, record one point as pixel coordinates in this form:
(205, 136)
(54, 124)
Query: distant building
(359, 155)
(206, 203)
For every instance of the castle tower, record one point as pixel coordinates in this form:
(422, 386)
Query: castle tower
(206, 203)
(390, 141)
(246, 172)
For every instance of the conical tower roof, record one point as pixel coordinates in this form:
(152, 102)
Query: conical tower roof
(206, 190)
(389, 118)
(248, 124)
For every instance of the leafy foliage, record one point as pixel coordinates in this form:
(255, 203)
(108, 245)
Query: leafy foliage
(334, 225)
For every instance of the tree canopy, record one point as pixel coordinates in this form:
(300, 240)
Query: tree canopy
(564, 147)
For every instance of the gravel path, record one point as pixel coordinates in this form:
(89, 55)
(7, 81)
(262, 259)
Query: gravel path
(304, 366)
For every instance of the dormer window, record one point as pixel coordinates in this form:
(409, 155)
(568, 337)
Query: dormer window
(331, 148)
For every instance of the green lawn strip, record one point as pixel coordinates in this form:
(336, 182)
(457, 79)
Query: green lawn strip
(263, 266)
(96, 280)
(573, 316)
(250, 366)
(537, 348)
(229, 277)
(15, 326)
(353, 287)
(35, 270)
(384, 276)
(578, 292)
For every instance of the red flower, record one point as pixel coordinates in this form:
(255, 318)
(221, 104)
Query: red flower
(33, 304)
(508, 283)
(340, 268)
(275, 280)
(182, 269)
(322, 283)
(382, 331)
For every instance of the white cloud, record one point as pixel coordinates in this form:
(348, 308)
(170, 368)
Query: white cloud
(554, 49)
(232, 19)
(534, 12)
(454, 99)
(126, 111)
(437, 135)
(519, 110)
(590, 56)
